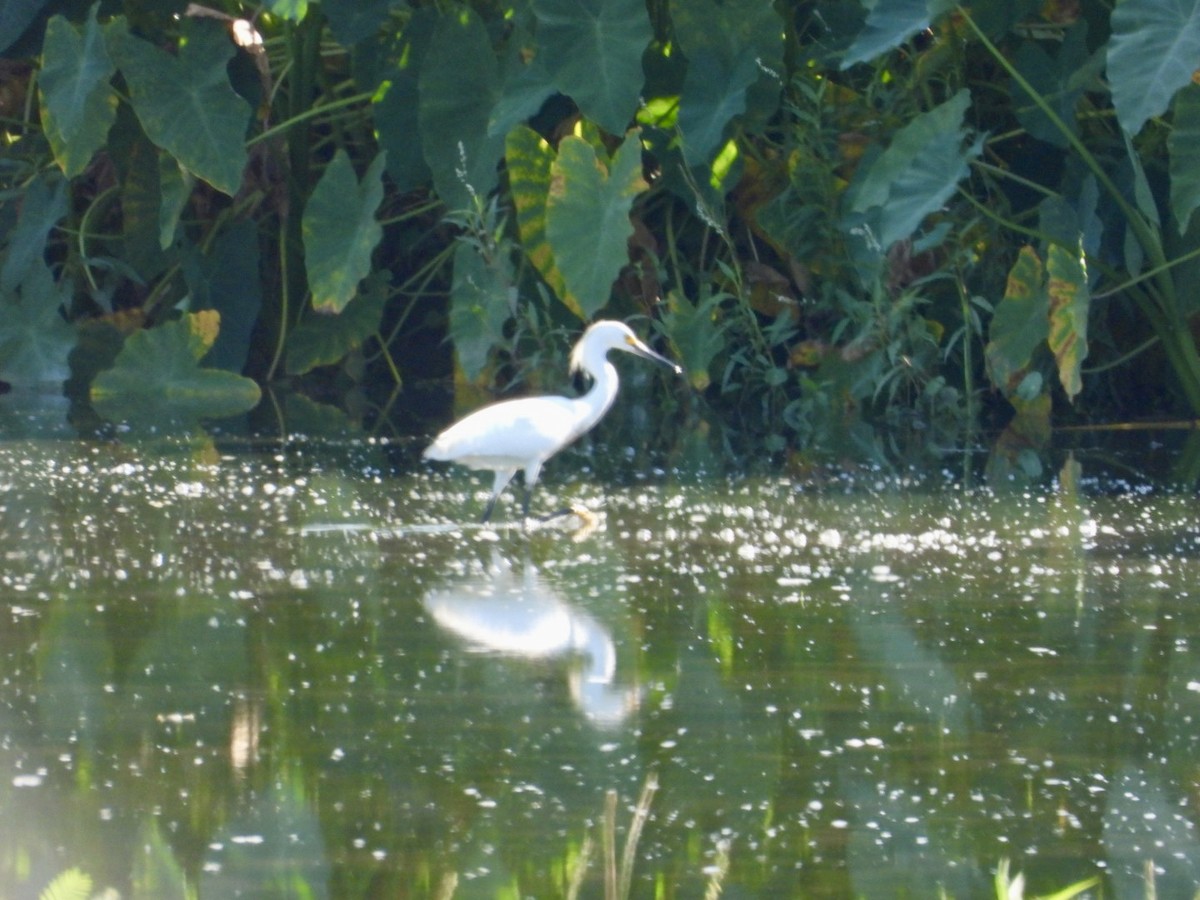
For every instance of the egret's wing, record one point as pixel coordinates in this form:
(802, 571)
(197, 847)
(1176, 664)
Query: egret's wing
(517, 430)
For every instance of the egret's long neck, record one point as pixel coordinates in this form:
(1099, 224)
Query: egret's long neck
(600, 396)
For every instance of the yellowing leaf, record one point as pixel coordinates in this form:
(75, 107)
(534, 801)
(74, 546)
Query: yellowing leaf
(1069, 300)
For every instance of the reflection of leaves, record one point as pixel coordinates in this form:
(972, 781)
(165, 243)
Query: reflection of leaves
(73, 884)
(157, 374)
(340, 231)
(289, 857)
(156, 871)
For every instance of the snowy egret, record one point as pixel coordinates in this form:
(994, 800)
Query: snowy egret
(523, 434)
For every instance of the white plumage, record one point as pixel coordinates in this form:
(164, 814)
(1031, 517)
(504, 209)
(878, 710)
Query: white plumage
(522, 434)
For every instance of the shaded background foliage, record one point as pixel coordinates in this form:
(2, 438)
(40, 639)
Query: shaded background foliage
(837, 217)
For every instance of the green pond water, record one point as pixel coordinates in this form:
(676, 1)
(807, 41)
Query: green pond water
(281, 670)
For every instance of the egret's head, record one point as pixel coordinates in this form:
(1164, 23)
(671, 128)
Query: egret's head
(608, 335)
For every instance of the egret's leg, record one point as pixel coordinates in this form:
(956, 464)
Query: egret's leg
(531, 476)
(503, 477)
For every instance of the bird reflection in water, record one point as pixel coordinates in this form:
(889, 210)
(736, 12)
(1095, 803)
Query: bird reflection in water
(520, 616)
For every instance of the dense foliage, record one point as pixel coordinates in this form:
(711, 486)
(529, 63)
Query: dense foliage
(923, 214)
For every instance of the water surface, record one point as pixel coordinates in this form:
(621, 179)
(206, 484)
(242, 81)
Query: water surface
(292, 670)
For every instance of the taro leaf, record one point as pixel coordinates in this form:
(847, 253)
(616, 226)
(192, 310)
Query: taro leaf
(352, 21)
(323, 339)
(41, 208)
(460, 85)
(481, 301)
(79, 104)
(15, 17)
(524, 94)
(226, 279)
(340, 231)
(185, 103)
(1152, 53)
(1019, 325)
(891, 23)
(1056, 79)
(713, 95)
(528, 159)
(593, 51)
(916, 174)
(141, 209)
(35, 339)
(1069, 301)
(157, 376)
(1183, 144)
(291, 10)
(695, 334)
(730, 48)
(587, 216)
(175, 186)
(395, 106)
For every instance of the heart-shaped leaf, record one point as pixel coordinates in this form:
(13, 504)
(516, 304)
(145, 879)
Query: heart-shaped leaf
(79, 104)
(593, 51)
(340, 231)
(587, 216)
(323, 339)
(185, 103)
(1152, 54)
(157, 376)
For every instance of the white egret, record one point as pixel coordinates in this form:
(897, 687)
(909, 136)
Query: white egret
(524, 433)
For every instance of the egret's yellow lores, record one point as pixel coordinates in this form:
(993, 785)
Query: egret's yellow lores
(524, 433)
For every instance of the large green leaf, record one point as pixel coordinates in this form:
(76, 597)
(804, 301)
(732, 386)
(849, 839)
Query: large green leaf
(323, 339)
(157, 376)
(1154, 48)
(1069, 301)
(340, 231)
(587, 216)
(714, 94)
(528, 159)
(891, 23)
(593, 51)
(351, 21)
(227, 278)
(392, 72)
(1019, 325)
(185, 103)
(482, 299)
(1061, 79)
(79, 104)
(916, 174)
(16, 16)
(43, 204)
(460, 85)
(1183, 144)
(35, 339)
(730, 48)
